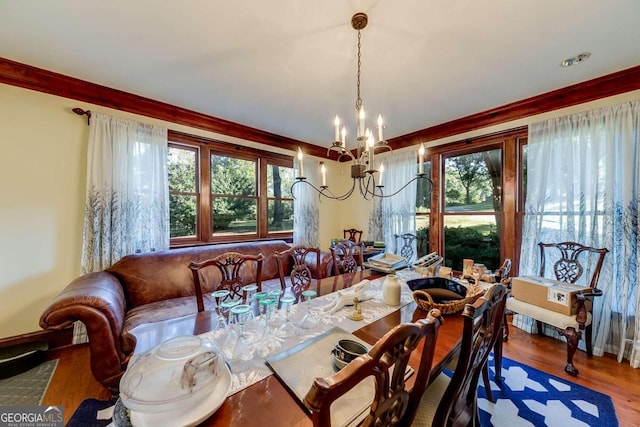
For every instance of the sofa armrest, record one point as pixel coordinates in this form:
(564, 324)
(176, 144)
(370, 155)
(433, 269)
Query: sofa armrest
(98, 301)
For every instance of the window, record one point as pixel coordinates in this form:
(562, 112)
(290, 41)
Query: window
(472, 208)
(222, 192)
(476, 203)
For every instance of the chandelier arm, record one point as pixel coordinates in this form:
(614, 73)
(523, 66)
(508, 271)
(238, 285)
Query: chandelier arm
(365, 190)
(324, 190)
(415, 178)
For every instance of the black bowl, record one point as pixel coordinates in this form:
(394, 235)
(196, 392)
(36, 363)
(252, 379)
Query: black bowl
(437, 283)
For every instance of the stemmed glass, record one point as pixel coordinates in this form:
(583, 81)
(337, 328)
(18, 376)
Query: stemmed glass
(259, 296)
(227, 337)
(275, 319)
(288, 329)
(242, 349)
(310, 319)
(265, 337)
(249, 291)
(220, 296)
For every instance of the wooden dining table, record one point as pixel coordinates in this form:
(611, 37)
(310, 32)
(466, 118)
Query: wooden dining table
(269, 402)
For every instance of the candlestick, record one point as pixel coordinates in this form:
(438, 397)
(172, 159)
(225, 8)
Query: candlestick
(421, 159)
(323, 170)
(360, 122)
(300, 161)
(336, 122)
(344, 134)
(380, 138)
(370, 144)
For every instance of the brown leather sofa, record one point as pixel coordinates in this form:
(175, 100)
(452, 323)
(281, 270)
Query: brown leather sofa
(148, 288)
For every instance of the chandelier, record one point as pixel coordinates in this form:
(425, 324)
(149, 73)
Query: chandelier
(364, 174)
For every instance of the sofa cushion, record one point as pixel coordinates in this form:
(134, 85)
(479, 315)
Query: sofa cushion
(164, 310)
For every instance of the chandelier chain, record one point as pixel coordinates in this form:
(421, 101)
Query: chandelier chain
(358, 99)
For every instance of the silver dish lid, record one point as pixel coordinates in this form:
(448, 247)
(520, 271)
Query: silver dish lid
(180, 371)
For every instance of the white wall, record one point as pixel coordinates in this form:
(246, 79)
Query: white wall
(42, 176)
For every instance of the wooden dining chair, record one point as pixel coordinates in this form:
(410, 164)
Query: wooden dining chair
(300, 276)
(571, 261)
(405, 249)
(453, 402)
(348, 256)
(393, 402)
(228, 266)
(352, 234)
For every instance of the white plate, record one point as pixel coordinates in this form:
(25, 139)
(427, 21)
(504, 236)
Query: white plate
(188, 416)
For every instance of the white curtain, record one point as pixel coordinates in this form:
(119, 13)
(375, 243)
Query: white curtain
(583, 178)
(305, 206)
(397, 214)
(127, 202)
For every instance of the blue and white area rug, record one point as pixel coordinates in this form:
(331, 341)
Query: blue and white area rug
(529, 397)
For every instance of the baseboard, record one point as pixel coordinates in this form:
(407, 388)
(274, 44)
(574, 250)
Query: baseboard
(55, 338)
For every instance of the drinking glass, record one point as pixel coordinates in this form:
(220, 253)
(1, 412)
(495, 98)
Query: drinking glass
(310, 319)
(276, 319)
(248, 293)
(226, 307)
(259, 296)
(288, 329)
(242, 350)
(220, 296)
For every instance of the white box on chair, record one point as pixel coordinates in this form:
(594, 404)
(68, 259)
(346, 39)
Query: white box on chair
(546, 293)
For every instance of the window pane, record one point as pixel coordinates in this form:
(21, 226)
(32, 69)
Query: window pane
(182, 215)
(231, 176)
(182, 169)
(279, 180)
(472, 237)
(423, 193)
(473, 182)
(234, 215)
(422, 227)
(280, 215)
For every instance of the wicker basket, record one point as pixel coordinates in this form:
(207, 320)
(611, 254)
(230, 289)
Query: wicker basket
(426, 303)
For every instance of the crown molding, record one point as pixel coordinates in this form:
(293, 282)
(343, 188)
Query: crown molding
(26, 76)
(601, 87)
(38, 79)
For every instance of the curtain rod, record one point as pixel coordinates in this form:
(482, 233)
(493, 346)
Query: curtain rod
(81, 112)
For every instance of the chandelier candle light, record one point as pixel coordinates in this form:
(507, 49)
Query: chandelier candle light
(363, 168)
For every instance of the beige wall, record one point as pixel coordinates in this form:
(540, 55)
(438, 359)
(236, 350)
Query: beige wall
(42, 175)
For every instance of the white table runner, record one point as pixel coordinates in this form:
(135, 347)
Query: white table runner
(255, 370)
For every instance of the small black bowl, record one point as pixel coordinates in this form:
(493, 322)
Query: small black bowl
(437, 283)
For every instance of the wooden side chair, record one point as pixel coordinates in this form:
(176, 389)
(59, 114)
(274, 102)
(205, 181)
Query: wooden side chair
(229, 265)
(502, 274)
(393, 402)
(347, 256)
(453, 401)
(571, 258)
(352, 234)
(405, 249)
(300, 276)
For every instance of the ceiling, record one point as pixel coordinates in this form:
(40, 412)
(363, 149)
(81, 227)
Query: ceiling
(289, 66)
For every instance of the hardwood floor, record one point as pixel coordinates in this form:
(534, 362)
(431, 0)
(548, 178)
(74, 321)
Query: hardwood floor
(73, 382)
